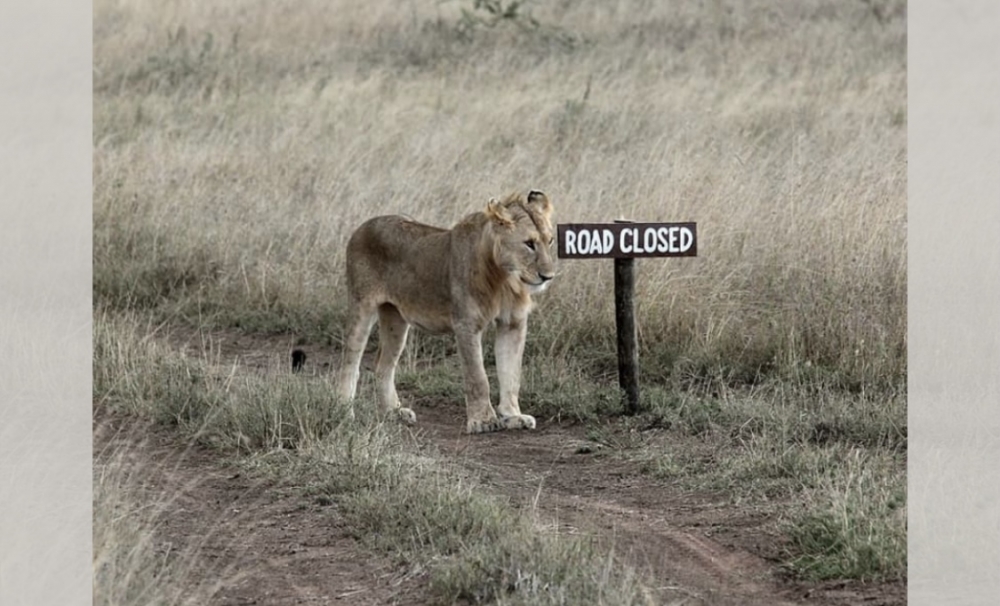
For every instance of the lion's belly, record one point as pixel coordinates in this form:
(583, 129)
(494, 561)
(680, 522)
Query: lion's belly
(428, 322)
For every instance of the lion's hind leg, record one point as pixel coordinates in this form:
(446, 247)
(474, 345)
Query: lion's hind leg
(354, 347)
(392, 331)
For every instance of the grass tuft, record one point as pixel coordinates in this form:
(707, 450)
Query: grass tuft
(856, 528)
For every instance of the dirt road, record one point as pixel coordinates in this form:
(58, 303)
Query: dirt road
(266, 544)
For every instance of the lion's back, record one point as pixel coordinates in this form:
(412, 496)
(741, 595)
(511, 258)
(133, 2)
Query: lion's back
(398, 260)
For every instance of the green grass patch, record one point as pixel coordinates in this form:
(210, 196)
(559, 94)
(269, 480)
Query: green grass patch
(855, 526)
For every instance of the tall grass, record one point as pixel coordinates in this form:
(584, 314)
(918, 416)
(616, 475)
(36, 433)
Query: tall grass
(236, 147)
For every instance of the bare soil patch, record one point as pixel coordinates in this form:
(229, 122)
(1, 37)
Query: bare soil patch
(269, 545)
(255, 542)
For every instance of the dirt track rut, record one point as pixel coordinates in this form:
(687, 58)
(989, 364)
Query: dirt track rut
(289, 554)
(587, 492)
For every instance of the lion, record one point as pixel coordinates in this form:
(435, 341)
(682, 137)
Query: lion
(484, 269)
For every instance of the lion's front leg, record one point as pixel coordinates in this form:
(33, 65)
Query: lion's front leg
(509, 351)
(481, 417)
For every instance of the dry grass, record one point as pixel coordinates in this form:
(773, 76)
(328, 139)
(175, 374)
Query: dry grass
(237, 146)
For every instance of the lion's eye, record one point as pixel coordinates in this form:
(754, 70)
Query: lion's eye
(530, 244)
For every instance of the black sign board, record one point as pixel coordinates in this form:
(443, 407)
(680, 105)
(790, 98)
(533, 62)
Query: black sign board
(626, 240)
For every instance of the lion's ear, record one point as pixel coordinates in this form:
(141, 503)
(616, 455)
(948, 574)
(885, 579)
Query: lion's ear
(498, 213)
(540, 201)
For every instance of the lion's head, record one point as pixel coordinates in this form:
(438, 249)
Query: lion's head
(522, 227)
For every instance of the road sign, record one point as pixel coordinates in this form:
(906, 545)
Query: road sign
(624, 242)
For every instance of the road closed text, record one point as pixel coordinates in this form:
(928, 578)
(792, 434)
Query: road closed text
(621, 240)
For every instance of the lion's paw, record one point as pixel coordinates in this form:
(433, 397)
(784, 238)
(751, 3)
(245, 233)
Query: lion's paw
(406, 415)
(478, 426)
(519, 422)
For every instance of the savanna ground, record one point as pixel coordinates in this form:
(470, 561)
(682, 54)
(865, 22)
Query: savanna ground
(235, 148)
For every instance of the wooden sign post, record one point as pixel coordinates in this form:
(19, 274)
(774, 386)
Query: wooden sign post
(624, 241)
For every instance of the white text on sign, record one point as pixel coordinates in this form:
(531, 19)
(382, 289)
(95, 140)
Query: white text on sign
(627, 240)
